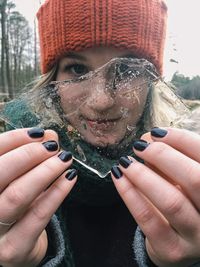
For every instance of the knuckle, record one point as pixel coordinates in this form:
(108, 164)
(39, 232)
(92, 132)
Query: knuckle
(8, 254)
(125, 190)
(174, 205)
(158, 148)
(50, 167)
(35, 151)
(138, 169)
(144, 216)
(59, 188)
(174, 252)
(40, 212)
(175, 255)
(28, 151)
(14, 197)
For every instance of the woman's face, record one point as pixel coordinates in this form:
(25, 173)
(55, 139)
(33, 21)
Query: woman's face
(100, 115)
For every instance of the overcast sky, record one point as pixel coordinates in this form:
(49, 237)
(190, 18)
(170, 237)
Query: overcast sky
(183, 36)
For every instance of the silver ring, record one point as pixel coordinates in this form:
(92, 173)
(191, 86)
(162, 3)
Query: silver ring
(7, 224)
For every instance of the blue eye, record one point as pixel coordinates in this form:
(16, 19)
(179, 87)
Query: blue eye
(76, 69)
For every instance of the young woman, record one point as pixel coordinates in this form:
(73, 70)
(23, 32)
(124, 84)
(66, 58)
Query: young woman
(97, 57)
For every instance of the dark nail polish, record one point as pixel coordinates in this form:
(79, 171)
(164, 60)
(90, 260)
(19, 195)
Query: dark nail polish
(141, 140)
(140, 145)
(51, 145)
(157, 132)
(65, 156)
(36, 132)
(116, 172)
(125, 162)
(71, 174)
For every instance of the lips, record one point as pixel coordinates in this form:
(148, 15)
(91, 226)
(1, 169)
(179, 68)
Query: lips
(101, 124)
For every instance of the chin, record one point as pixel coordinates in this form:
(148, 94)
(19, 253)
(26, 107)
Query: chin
(102, 141)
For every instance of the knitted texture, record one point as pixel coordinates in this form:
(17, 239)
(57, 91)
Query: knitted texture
(68, 25)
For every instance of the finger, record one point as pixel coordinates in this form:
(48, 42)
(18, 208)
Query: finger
(154, 226)
(147, 138)
(13, 139)
(163, 175)
(174, 164)
(174, 206)
(25, 233)
(22, 159)
(153, 168)
(18, 196)
(182, 140)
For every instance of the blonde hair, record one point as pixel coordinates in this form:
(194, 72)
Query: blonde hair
(166, 109)
(46, 78)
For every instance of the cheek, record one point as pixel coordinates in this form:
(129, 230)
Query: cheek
(71, 100)
(62, 76)
(140, 100)
(134, 102)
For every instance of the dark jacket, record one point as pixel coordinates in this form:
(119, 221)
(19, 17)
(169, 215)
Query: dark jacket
(94, 237)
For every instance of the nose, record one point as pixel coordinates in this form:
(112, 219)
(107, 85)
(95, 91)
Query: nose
(100, 99)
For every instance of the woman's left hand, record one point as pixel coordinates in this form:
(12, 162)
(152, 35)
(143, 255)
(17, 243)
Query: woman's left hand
(163, 195)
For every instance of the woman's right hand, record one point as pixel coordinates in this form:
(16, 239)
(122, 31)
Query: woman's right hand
(30, 193)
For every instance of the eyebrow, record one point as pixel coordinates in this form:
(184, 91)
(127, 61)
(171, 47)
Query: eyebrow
(76, 56)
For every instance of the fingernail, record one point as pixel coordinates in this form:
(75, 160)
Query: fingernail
(65, 156)
(141, 140)
(125, 162)
(116, 172)
(140, 145)
(157, 132)
(36, 132)
(71, 174)
(51, 145)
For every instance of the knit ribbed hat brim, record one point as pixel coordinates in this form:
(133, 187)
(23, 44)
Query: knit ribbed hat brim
(68, 25)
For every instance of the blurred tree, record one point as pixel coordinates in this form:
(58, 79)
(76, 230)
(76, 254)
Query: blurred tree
(19, 50)
(10, 6)
(3, 4)
(20, 39)
(188, 88)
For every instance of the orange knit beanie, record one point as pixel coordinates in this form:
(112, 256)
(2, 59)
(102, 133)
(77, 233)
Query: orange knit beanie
(74, 25)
